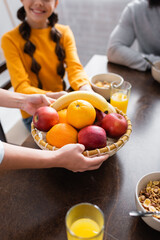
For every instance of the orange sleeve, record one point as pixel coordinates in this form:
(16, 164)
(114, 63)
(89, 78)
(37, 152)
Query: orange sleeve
(76, 75)
(19, 76)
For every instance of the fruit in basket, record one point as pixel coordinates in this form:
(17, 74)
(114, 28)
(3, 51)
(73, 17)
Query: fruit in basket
(95, 99)
(115, 125)
(99, 116)
(92, 137)
(44, 118)
(61, 134)
(62, 115)
(80, 113)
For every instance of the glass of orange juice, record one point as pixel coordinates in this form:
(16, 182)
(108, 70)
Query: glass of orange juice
(119, 95)
(85, 221)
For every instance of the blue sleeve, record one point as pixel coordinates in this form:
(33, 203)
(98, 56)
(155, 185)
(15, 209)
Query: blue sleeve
(1, 152)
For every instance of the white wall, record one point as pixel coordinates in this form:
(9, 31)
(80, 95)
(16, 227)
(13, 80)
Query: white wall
(8, 19)
(11, 119)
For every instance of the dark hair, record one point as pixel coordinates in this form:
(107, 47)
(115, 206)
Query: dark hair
(153, 3)
(29, 47)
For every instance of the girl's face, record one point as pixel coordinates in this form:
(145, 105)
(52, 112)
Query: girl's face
(38, 11)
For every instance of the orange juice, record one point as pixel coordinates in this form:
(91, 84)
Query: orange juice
(85, 228)
(120, 100)
(84, 221)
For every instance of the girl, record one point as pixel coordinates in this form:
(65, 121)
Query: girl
(39, 51)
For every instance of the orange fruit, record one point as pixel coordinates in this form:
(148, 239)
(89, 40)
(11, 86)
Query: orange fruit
(61, 134)
(62, 115)
(80, 113)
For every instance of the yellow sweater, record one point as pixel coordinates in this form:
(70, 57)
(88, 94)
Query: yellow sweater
(19, 63)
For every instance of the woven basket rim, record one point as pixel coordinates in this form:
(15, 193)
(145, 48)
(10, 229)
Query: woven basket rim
(111, 149)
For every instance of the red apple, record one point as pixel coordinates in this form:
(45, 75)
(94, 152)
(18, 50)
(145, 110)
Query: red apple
(99, 116)
(92, 137)
(45, 118)
(114, 124)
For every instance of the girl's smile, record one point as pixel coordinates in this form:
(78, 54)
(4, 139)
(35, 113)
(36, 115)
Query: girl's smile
(38, 12)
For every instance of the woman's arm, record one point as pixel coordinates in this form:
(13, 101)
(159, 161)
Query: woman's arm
(29, 103)
(69, 157)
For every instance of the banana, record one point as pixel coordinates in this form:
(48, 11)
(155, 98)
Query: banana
(95, 99)
(111, 109)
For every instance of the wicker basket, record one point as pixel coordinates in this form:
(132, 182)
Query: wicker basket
(113, 145)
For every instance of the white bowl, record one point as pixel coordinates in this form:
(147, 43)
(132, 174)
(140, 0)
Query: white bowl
(151, 221)
(156, 71)
(107, 77)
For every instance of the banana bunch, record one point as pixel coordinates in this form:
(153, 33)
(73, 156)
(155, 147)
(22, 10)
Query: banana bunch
(95, 99)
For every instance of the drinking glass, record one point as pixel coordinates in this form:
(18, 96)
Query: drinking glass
(119, 95)
(84, 221)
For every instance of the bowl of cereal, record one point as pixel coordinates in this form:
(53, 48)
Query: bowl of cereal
(101, 83)
(155, 70)
(148, 198)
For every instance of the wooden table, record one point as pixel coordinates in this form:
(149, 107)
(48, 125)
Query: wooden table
(33, 203)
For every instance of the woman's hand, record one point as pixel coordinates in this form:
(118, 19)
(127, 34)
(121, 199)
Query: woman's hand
(56, 95)
(86, 87)
(32, 102)
(70, 157)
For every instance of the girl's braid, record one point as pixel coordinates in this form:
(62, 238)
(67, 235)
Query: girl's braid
(56, 36)
(29, 47)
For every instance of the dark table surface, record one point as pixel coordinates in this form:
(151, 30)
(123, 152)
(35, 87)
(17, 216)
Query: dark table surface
(33, 203)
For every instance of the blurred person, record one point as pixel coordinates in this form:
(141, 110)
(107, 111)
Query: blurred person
(139, 21)
(39, 51)
(16, 157)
